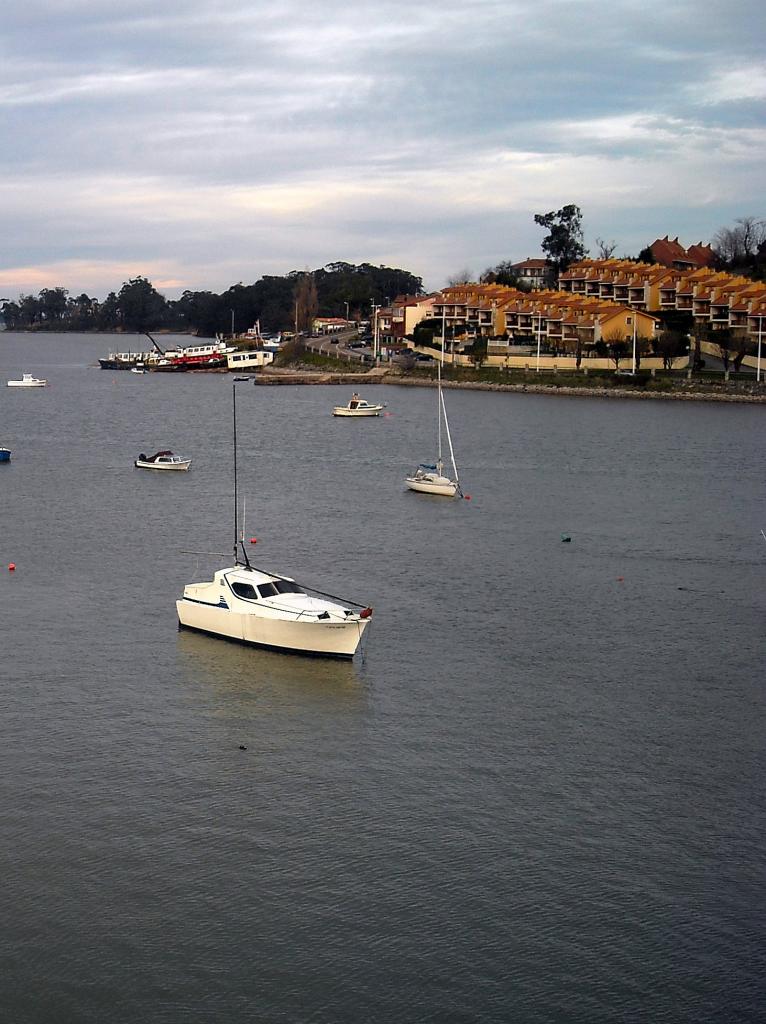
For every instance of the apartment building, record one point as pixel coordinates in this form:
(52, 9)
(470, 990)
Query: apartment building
(407, 311)
(535, 273)
(709, 296)
(557, 319)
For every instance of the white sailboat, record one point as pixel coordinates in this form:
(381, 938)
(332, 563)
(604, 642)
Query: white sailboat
(267, 609)
(430, 478)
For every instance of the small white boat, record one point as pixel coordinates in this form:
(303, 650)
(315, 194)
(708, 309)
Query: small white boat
(27, 381)
(430, 479)
(357, 407)
(162, 460)
(138, 368)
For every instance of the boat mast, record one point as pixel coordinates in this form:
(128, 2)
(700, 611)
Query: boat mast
(234, 411)
(439, 365)
(246, 560)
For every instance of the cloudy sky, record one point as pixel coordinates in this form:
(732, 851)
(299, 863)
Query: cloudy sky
(202, 144)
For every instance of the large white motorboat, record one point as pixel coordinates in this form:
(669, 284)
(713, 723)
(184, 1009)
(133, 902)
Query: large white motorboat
(257, 607)
(162, 460)
(430, 478)
(267, 609)
(27, 381)
(357, 407)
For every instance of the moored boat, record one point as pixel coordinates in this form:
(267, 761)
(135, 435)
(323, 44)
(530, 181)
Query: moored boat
(357, 407)
(5, 454)
(121, 360)
(429, 478)
(162, 460)
(27, 381)
(266, 609)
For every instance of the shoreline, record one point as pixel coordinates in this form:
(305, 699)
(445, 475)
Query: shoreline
(682, 392)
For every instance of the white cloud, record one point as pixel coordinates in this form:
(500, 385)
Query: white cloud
(733, 85)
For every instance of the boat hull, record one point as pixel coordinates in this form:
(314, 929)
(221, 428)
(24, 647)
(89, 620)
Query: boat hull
(5, 455)
(177, 467)
(27, 383)
(118, 364)
(373, 410)
(333, 640)
(443, 487)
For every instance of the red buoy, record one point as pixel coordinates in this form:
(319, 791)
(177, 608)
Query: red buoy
(620, 579)
(365, 613)
(253, 540)
(11, 567)
(467, 497)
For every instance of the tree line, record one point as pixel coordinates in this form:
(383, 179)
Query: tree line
(278, 303)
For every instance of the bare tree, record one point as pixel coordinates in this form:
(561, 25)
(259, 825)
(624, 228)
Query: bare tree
(583, 336)
(670, 345)
(605, 249)
(740, 243)
(723, 342)
(464, 276)
(741, 345)
(618, 346)
(699, 332)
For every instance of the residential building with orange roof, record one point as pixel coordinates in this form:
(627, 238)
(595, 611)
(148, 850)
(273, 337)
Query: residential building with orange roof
(407, 311)
(710, 296)
(670, 253)
(534, 272)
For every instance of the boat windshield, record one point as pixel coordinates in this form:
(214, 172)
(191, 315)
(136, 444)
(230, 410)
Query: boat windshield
(288, 587)
(278, 587)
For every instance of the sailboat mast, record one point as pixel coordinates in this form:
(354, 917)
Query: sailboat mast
(439, 366)
(234, 411)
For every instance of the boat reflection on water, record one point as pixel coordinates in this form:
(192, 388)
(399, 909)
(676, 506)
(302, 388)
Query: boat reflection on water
(272, 681)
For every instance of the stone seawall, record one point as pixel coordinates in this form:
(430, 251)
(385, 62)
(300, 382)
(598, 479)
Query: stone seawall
(687, 391)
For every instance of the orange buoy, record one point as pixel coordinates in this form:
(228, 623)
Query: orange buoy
(11, 567)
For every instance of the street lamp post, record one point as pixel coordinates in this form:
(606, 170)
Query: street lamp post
(758, 362)
(539, 332)
(346, 313)
(375, 309)
(634, 343)
(232, 322)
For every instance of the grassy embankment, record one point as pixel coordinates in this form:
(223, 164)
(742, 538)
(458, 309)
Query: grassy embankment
(665, 382)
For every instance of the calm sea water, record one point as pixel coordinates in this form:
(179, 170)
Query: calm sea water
(539, 797)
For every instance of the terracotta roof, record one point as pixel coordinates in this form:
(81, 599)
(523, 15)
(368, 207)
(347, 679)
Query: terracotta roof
(530, 264)
(703, 255)
(670, 251)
